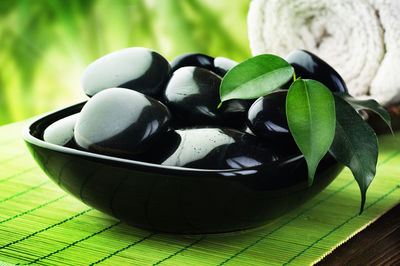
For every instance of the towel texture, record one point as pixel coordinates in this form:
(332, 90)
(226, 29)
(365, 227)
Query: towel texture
(359, 38)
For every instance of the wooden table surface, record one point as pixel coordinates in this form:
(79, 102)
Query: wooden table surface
(378, 244)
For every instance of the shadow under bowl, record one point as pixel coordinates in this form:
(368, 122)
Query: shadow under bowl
(176, 199)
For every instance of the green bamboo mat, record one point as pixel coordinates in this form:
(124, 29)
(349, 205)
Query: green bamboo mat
(40, 224)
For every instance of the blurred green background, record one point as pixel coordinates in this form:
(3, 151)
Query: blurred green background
(46, 44)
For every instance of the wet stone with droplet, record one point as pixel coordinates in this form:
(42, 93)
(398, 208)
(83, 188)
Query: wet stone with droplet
(213, 148)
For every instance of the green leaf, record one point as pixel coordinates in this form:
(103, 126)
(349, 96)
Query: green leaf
(310, 112)
(371, 105)
(255, 77)
(355, 145)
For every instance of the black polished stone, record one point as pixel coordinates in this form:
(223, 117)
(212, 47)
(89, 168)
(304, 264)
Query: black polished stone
(266, 118)
(177, 199)
(192, 95)
(165, 145)
(309, 66)
(61, 132)
(193, 59)
(219, 65)
(135, 68)
(214, 148)
(120, 122)
(222, 65)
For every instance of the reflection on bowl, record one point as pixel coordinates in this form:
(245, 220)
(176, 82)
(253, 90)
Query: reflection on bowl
(176, 199)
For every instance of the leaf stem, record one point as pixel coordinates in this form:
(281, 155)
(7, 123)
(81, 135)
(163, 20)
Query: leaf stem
(294, 76)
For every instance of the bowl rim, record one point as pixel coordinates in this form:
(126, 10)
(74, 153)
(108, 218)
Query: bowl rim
(69, 110)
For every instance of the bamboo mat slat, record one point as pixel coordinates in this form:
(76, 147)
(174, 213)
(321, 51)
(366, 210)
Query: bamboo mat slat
(42, 225)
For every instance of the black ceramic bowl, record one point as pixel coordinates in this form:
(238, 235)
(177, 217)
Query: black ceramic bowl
(176, 199)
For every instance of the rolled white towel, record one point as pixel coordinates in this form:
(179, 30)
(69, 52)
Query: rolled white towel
(359, 38)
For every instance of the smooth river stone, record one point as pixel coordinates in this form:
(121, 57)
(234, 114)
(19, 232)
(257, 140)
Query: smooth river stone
(193, 59)
(222, 65)
(309, 66)
(213, 148)
(219, 65)
(61, 132)
(266, 118)
(120, 122)
(134, 68)
(192, 95)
